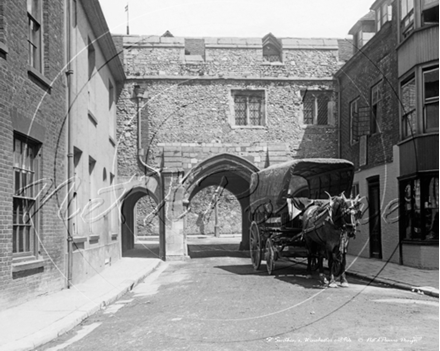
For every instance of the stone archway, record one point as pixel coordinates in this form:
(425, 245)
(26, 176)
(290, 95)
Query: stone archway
(133, 191)
(232, 173)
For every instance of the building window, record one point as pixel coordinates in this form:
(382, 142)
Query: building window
(429, 12)
(375, 118)
(408, 107)
(272, 48)
(315, 107)
(271, 54)
(34, 12)
(430, 100)
(91, 57)
(354, 116)
(406, 17)
(24, 216)
(195, 49)
(419, 201)
(383, 15)
(249, 107)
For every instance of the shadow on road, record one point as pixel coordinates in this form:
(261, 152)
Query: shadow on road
(143, 250)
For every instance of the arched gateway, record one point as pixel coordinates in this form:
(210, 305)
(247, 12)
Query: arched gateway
(173, 191)
(228, 171)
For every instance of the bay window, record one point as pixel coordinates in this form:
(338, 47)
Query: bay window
(430, 99)
(406, 17)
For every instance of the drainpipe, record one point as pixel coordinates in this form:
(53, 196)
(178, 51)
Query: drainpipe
(339, 117)
(70, 167)
(138, 96)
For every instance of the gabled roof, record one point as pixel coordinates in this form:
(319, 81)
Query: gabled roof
(167, 34)
(369, 17)
(271, 39)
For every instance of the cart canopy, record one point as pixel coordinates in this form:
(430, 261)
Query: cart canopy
(309, 178)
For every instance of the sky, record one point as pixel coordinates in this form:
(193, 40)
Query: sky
(236, 18)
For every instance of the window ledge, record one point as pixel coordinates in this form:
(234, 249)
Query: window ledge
(304, 126)
(24, 266)
(3, 50)
(248, 127)
(273, 64)
(92, 118)
(39, 79)
(79, 239)
(416, 136)
(94, 237)
(420, 242)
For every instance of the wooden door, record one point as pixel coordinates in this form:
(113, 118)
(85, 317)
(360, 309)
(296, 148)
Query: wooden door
(375, 229)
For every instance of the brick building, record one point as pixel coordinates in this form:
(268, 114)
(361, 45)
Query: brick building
(33, 149)
(212, 104)
(51, 113)
(372, 136)
(368, 138)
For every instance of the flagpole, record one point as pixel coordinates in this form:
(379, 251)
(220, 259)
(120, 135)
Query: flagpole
(128, 20)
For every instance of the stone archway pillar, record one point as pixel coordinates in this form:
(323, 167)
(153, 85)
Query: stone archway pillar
(174, 213)
(245, 224)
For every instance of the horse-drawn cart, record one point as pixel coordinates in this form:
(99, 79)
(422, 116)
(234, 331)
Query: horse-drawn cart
(279, 196)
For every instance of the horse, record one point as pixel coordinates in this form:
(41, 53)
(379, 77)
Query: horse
(327, 229)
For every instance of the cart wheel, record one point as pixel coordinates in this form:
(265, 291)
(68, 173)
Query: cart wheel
(255, 245)
(270, 256)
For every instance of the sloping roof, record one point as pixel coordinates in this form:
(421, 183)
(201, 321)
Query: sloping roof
(273, 184)
(370, 16)
(97, 21)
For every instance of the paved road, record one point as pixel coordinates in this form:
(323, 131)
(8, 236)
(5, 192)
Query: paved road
(220, 303)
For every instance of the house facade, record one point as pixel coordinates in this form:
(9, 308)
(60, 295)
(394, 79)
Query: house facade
(94, 83)
(418, 54)
(33, 149)
(374, 102)
(57, 60)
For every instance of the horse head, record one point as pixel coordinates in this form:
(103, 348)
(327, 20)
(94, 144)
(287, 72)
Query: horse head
(352, 213)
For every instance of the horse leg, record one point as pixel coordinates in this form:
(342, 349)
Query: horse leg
(309, 265)
(322, 277)
(332, 283)
(344, 282)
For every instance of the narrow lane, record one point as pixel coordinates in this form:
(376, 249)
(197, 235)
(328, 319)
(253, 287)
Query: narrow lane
(221, 303)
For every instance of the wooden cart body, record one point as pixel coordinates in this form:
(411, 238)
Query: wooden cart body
(274, 233)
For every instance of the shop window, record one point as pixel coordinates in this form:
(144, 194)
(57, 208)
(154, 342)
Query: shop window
(419, 200)
(316, 107)
(35, 29)
(375, 116)
(430, 104)
(25, 214)
(429, 12)
(249, 107)
(408, 107)
(406, 17)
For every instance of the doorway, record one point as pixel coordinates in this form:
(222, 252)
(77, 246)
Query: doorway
(375, 227)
